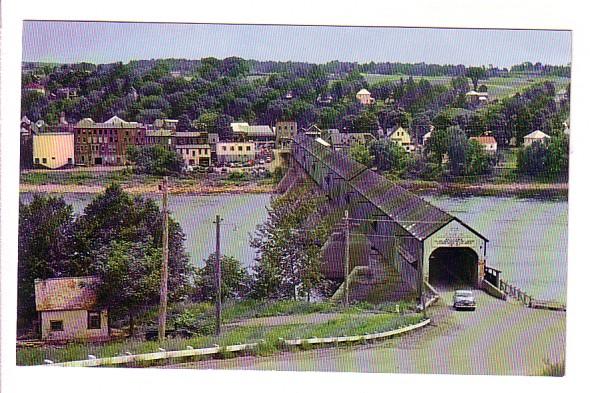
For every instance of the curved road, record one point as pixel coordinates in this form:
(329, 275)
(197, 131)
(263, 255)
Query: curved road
(498, 338)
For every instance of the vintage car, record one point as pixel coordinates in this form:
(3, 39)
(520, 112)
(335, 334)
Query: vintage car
(464, 300)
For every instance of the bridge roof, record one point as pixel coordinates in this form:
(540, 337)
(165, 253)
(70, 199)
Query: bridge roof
(414, 214)
(339, 163)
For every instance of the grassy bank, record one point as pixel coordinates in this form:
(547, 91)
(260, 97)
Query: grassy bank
(355, 320)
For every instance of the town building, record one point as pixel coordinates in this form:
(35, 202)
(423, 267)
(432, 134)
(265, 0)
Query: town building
(68, 309)
(212, 140)
(401, 137)
(344, 140)
(263, 137)
(35, 87)
(106, 143)
(167, 124)
(235, 152)
(198, 154)
(285, 133)
(535, 136)
(53, 149)
(66, 92)
(487, 141)
(161, 137)
(364, 97)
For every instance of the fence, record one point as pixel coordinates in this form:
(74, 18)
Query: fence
(515, 293)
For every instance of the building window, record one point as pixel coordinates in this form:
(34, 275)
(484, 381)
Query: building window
(44, 160)
(56, 326)
(248, 148)
(194, 153)
(231, 148)
(93, 320)
(36, 160)
(224, 148)
(240, 148)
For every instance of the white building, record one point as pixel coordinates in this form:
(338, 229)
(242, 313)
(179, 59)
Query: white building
(235, 151)
(195, 154)
(534, 137)
(364, 97)
(53, 149)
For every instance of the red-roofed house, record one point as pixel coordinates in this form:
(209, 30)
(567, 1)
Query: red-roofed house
(489, 143)
(67, 309)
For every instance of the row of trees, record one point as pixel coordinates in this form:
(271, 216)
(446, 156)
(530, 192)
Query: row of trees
(118, 238)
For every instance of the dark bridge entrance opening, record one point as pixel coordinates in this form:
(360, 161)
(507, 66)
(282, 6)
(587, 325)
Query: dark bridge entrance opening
(453, 267)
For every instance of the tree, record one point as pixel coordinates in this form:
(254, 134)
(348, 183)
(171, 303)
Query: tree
(457, 150)
(44, 234)
(366, 122)
(475, 74)
(235, 280)
(288, 253)
(129, 278)
(532, 160)
(557, 155)
(388, 155)
(360, 153)
(478, 160)
(155, 160)
(184, 123)
(117, 216)
(437, 145)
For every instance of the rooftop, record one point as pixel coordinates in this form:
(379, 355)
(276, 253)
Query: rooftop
(66, 293)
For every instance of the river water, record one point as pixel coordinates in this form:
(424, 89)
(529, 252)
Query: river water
(528, 237)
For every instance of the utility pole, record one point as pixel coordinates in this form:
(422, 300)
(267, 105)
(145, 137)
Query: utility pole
(218, 276)
(346, 256)
(164, 275)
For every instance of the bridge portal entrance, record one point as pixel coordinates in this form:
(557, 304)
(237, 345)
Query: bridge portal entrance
(453, 267)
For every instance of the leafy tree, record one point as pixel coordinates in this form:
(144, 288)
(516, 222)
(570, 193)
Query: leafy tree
(532, 160)
(557, 155)
(437, 145)
(457, 150)
(478, 160)
(130, 278)
(475, 74)
(44, 234)
(288, 260)
(360, 153)
(155, 160)
(388, 155)
(117, 216)
(235, 280)
(184, 123)
(366, 122)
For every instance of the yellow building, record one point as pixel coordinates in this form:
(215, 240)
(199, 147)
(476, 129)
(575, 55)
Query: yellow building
(401, 137)
(53, 149)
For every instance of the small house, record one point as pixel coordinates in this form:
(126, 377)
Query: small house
(535, 136)
(401, 137)
(68, 310)
(488, 142)
(364, 97)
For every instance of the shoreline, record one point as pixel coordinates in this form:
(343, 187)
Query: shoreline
(518, 190)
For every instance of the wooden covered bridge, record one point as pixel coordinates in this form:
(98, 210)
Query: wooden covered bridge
(422, 242)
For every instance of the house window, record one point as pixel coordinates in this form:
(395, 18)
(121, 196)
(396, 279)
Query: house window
(56, 326)
(93, 320)
(44, 160)
(240, 148)
(248, 148)
(36, 160)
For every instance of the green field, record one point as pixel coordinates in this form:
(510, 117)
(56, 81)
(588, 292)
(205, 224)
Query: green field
(498, 87)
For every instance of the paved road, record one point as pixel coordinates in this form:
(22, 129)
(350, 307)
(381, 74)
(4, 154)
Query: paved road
(498, 338)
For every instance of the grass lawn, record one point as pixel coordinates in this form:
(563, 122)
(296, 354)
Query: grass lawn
(354, 320)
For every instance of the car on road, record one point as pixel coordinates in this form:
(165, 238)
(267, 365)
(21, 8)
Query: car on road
(464, 300)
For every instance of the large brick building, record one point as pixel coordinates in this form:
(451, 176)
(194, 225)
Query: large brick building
(106, 143)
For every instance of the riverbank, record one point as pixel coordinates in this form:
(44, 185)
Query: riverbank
(208, 187)
(520, 190)
(152, 188)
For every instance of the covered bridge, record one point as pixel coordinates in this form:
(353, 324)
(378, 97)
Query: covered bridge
(423, 242)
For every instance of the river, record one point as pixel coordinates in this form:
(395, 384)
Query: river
(528, 237)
